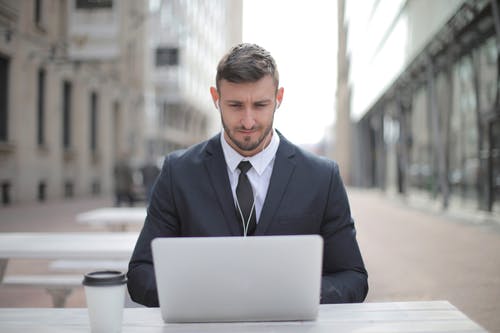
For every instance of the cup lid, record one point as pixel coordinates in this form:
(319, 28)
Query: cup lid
(104, 278)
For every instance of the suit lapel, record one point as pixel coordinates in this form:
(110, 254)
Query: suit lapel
(217, 172)
(282, 172)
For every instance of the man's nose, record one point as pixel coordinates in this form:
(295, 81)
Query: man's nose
(248, 120)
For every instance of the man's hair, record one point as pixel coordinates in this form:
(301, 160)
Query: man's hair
(246, 63)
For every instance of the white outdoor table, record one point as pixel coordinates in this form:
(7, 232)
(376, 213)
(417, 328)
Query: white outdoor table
(113, 218)
(433, 316)
(41, 245)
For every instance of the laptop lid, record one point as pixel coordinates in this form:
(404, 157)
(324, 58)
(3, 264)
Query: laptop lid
(220, 279)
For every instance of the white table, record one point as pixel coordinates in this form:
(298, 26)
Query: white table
(434, 316)
(109, 246)
(113, 218)
(41, 245)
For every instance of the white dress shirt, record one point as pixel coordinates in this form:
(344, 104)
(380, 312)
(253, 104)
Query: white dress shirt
(260, 173)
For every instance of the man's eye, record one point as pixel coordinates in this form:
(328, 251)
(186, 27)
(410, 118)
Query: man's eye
(260, 105)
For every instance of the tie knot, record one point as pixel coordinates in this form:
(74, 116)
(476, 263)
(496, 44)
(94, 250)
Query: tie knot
(244, 166)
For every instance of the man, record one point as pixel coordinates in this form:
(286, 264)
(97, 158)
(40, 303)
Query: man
(202, 192)
(124, 181)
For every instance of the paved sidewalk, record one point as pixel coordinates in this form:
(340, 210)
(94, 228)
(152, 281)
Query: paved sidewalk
(57, 215)
(53, 216)
(410, 254)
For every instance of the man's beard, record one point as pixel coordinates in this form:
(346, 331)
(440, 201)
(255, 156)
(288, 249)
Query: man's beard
(247, 145)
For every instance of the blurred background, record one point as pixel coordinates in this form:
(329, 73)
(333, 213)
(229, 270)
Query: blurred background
(403, 94)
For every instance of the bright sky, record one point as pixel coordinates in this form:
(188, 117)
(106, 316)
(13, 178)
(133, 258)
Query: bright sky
(302, 37)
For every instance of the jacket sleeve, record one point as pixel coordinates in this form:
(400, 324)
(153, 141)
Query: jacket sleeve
(345, 279)
(161, 221)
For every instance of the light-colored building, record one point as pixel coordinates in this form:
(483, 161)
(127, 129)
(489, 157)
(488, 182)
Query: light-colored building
(425, 106)
(342, 138)
(187, 40)
(83, 83)
(71, 95)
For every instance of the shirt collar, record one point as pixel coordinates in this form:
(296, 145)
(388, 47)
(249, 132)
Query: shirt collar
(259, 161)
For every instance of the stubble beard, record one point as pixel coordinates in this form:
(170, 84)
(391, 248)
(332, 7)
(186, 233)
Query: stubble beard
(247, 144)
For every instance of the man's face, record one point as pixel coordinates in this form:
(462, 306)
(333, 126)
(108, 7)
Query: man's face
(247, 113)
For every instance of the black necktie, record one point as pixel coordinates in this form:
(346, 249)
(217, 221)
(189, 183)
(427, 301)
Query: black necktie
(244, 194)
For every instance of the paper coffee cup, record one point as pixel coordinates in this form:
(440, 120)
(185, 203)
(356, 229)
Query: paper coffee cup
(105, 295)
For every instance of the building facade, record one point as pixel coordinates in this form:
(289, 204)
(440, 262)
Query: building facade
(188, 38)
(71, 95)
(85, 83)
(342, 145)
(425, 106)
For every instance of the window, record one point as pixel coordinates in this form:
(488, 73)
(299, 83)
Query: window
(66, 114)
(487, 74)
(41, 108)
(495, 164)
(94, 4)
(464, 134)
(38, 12)
(93, 122)
(68, 189)
(164, 115)
(6, 193)
(42, 191)
(117, 129)
(166, 56)
(95, 187)
(4, 92)
(421, 172)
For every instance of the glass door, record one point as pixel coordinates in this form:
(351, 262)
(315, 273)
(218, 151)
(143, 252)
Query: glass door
(494, 163)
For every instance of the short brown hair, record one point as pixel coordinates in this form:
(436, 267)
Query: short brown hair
(246, 63)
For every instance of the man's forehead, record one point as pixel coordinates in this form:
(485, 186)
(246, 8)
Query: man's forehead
(264, 87)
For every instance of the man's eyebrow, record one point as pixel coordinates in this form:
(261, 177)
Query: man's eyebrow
(268, 100)
(238, 102)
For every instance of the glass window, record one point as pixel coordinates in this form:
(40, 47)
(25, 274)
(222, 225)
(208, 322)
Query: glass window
(93, 122)
(420, 171)
(463, 136)
(66, 114)
(38, 12)
(41, 107)
(488, 74)
(495, 163)
(4, 92)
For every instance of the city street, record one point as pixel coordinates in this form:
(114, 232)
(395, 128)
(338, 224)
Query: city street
(410, 254)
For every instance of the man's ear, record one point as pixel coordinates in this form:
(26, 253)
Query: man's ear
(279, 96)
(215, 97)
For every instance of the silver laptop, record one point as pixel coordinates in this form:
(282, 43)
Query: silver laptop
(224, 279)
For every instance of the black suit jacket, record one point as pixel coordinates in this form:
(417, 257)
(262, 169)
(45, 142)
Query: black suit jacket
(192, 197)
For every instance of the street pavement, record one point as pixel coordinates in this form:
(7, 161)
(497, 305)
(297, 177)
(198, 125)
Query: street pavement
(411, 253)
(414, 254)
